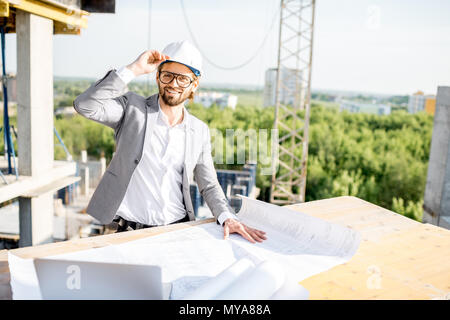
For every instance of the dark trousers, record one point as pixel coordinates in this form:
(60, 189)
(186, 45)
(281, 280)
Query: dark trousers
(125, 225)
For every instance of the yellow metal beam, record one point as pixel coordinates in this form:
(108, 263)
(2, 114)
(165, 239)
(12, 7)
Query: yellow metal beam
(9, 22)
(73, 18)
(4, 8)
(63, 28)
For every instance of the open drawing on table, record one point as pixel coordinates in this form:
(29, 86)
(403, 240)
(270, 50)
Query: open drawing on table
(298, 244)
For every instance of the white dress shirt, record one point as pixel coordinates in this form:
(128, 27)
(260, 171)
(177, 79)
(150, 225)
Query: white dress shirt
(154, 195)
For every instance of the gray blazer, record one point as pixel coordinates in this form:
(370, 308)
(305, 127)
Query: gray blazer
(109, 102)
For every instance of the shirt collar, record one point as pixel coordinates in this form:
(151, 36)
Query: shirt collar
(162, 117)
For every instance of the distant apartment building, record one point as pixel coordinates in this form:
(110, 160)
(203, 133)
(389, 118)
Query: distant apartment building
(288, 90)
(219, 98)
(372, 108)
(383, 109)
(430, 105)
(421, 102)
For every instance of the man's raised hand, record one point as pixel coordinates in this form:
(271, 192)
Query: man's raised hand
(147, 62)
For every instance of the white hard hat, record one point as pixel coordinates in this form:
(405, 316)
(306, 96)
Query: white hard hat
(185, 53)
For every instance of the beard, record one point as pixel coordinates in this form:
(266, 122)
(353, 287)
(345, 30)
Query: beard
(173, 100)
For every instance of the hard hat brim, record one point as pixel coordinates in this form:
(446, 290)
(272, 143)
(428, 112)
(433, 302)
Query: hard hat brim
(195, 71)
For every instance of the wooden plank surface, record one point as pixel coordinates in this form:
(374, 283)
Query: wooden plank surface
(398, 258)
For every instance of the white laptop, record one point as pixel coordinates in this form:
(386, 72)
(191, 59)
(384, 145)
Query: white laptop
(79, 280)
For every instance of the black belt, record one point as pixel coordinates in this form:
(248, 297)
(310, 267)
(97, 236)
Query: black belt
(124, 225)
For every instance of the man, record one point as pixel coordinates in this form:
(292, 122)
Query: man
(160, 147)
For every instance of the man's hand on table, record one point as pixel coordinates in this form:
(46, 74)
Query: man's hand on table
(233, 226)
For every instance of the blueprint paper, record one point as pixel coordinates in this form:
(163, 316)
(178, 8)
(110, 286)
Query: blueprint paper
(258, 284)
(24, 282)
(214, 286)
(301, 244)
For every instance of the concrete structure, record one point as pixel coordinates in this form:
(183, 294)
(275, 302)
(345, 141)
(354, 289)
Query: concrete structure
(35, 121)
(437, 192)
(69, 219)
(39, 177)
(421, 102)
(287, 92)
(219, 98)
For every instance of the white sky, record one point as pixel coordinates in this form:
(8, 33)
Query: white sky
(404, 48)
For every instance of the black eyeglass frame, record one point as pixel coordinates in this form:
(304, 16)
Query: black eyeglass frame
(175, 75)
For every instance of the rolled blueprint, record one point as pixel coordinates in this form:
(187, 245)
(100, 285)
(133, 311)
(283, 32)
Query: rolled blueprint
(258, 284)
(291, 290)
(216, 285)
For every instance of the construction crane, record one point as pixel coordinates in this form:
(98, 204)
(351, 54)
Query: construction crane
(293, 96)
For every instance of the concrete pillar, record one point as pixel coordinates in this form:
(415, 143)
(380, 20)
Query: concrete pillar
(84, 173)
(437, 191)
(84, 182)
(84, 157)
(36, 220)
(35, 121)
(102, 166)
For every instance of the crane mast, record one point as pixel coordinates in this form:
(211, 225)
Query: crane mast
(293, 96)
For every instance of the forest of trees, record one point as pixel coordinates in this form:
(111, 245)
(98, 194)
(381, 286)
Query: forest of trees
(381, 159)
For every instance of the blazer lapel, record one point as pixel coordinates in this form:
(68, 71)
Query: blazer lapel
(152, 114)
(189, 140)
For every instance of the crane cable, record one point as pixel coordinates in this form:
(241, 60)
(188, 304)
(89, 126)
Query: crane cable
(149, 36)
(215, 64)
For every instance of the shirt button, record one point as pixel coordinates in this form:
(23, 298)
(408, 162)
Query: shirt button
(136, 161)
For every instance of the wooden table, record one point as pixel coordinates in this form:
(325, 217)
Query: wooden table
(398, 258)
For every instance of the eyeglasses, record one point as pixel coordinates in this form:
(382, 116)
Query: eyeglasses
(183, 81)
